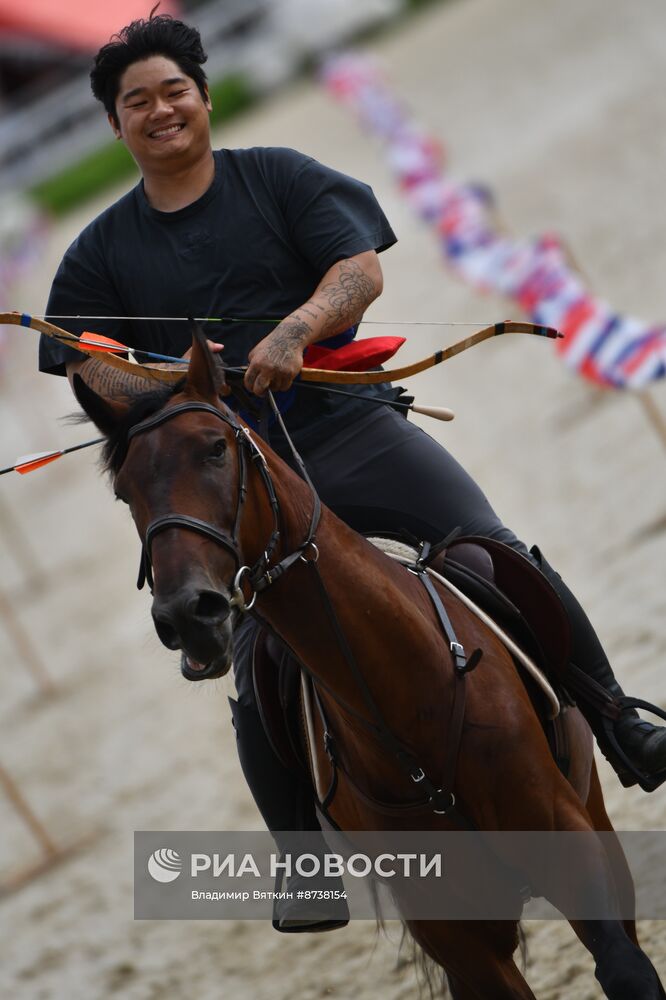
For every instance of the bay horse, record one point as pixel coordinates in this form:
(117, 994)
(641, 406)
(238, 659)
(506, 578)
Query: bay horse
(224, 522)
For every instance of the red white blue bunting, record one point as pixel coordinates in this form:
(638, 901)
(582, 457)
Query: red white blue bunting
(599, 343)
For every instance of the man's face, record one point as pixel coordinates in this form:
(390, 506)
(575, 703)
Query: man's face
(162, 117)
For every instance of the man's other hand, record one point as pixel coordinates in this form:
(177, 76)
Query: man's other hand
(212, 347)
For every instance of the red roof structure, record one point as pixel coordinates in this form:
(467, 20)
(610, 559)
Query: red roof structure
(76, 24)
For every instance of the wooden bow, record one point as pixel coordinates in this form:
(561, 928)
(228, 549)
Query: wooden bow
(172, 375)
(71, 340)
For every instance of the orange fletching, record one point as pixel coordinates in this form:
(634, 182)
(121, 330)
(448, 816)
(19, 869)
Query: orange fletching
(98, 342)
(29, 463)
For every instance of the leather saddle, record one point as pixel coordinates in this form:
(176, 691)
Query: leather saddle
(514, 592)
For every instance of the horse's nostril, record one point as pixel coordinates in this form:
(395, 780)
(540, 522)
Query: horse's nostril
(211, 604)
(166, 633)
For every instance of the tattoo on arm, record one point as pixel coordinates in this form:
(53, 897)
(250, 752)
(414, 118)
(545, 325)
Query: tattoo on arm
(338, 302)
(348, 297)
(110, 382)
(294, 334)
(308, 309)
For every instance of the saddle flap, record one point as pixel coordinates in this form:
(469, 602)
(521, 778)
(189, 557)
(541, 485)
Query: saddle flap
(528, 590)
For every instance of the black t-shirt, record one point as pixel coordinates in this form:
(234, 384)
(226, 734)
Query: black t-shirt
(255, 245)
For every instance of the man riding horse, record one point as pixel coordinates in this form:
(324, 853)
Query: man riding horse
(260, 234)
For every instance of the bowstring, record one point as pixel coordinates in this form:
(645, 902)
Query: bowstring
(260, 319)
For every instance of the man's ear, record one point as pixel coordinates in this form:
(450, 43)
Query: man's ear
(208, 103)
(115, 125)
(204, 377)
(104, 413)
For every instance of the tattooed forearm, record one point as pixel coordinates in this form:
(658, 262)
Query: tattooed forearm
(339, 300)
(309, 310)
(107, 381)
(344, 294)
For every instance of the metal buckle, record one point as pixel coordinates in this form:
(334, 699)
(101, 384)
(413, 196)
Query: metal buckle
(458, 649)
(310, 545)
(443, 812)
(238, 599)
(419, 776)
(254, 447)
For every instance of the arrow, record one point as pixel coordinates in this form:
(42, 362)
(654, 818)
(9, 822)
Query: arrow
(30, 463)
(438, 412)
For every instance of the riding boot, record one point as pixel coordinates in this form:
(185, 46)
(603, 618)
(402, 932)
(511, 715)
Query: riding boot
(636, 749)
(287, 807)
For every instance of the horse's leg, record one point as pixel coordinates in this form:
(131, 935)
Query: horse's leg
(622, 969)
(597, 810)
(625, 884)
(476, 955)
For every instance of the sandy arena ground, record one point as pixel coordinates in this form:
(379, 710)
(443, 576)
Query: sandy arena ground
(559, 108)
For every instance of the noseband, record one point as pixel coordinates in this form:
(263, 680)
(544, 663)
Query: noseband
(261, 575)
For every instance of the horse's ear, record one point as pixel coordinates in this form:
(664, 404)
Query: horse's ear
(103, 413)
(204, 376)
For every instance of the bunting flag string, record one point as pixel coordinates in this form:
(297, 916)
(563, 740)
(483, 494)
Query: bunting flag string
(599, 343)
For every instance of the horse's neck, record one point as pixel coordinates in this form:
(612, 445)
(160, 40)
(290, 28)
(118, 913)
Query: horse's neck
(354, 591)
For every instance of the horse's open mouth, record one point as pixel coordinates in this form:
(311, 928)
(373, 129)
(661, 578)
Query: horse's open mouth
(192, 670)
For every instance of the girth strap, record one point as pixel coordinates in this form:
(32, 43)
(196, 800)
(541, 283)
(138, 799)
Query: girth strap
(461, 667)
(440, 800)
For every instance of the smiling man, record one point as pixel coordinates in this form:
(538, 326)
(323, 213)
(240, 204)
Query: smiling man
(288, 248)
(162, 116)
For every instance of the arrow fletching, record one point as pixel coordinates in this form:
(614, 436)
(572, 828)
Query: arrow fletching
(30, 463)
(98, 342)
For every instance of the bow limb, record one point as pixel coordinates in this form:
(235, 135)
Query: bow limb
(392, 374)
(148, 372)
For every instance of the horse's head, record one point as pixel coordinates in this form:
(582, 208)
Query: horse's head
(178, 458)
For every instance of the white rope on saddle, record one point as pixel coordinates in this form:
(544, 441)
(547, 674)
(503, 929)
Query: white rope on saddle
(405, 554)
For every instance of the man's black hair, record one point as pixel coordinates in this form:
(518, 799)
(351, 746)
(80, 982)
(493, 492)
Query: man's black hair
(159, 35)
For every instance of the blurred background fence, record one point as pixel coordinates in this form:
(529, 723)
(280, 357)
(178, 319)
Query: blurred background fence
(50, 123)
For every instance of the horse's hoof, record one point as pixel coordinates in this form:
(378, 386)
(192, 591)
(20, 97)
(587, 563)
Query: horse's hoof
(297, 916)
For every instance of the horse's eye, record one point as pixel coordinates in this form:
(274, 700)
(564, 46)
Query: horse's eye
(219, 448)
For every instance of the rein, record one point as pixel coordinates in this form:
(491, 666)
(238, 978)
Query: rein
(260, 576)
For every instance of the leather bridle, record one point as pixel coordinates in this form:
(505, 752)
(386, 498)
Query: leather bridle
(439, 799)
(262, 574)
